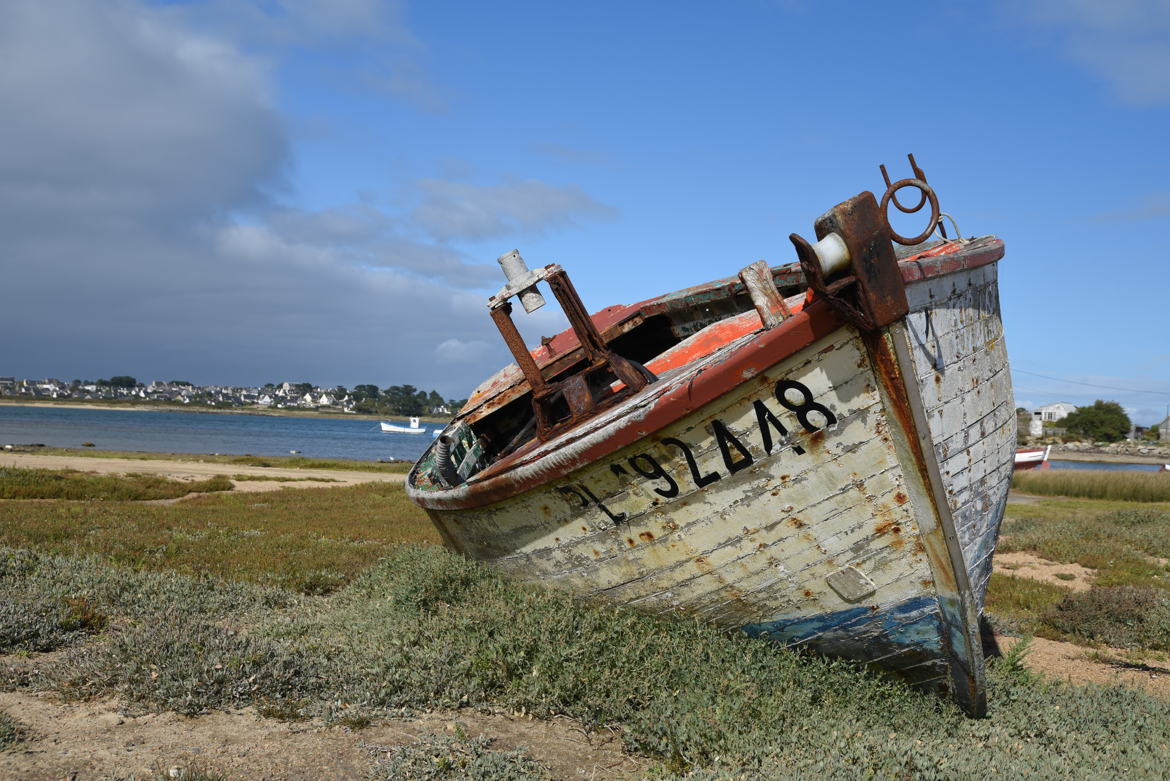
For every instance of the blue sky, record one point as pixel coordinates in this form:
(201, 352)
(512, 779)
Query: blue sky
(307, 190)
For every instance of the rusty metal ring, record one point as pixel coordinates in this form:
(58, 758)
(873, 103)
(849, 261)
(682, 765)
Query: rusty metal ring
(927, 193)
(912, 209)
(921, 200)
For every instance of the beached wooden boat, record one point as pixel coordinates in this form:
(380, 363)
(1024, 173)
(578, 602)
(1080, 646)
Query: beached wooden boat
(1032, 458)
(816, 453)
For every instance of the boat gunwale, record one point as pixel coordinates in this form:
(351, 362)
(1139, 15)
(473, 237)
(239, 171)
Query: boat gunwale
(540, 463)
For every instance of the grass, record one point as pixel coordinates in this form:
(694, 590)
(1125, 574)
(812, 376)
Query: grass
(205, 605)
(192, 772)
(424, 629)
(274, 479)
(1095, 484)
(1127, 543)
(284, 462)
(38, 624)
(311, 540)
(453, 757)
(18, 483)
(1017, 603)
(1118, 616)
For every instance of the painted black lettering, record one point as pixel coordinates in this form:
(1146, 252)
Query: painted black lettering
(806, 405)
(568, 490)
(619, 518)
(768, 421)
(701, 480)
(726, 441)
(654, 471)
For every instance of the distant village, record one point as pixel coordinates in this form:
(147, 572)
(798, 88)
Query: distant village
(1049, 422)
(1043, 423)
(396, 399)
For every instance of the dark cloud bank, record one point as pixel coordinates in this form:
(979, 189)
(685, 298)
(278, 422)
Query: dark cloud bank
(139, 233)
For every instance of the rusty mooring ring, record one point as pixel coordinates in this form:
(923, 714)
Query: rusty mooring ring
(927, 193)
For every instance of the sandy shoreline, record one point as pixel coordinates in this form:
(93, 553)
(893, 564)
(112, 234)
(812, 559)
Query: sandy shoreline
(200, 470)
(1105, 458)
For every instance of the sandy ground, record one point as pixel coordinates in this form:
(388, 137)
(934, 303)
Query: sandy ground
(1108, 458)
(91, 740)
(1079, 665)
(1068, 661)
(1025, 565)
(194, 470)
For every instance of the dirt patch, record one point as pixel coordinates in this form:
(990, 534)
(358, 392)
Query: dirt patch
(1079, 665)
(90, 740)
(1074, 577)
(1018, 498)
(192, 470)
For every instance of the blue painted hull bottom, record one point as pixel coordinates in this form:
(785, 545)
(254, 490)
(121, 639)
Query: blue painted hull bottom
(906, 638)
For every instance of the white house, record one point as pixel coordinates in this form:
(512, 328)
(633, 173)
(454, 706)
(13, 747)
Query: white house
(1054, 412)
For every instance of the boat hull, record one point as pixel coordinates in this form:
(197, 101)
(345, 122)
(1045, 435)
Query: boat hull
(1032, 458)
(390, 428)
(843, 496)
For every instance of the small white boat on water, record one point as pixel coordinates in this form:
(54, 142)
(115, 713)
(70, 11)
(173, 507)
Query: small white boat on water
(393, 428)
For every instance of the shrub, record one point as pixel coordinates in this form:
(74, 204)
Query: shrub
(28, 577)
(69, 484)
(46, 624)
(179, 663)
(1120, 616)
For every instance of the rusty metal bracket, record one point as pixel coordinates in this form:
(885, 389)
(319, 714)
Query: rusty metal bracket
(852, 265)
(871, 294)
(562, 402)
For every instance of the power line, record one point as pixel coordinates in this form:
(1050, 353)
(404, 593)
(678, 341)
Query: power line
(1091, 385)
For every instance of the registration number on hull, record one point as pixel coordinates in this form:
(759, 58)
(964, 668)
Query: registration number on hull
(793, 396)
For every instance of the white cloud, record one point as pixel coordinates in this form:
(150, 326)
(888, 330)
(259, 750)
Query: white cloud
(449, 209)
(1124, 42)
(369, 42)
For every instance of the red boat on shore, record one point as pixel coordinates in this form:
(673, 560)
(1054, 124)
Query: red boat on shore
(1033, 458)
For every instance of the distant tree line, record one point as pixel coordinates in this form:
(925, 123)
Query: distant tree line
(1104, 421)
(399, 400)
(120, 381)
(393, 400)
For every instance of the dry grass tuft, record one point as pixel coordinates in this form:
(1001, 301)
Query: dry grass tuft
(1095, 484)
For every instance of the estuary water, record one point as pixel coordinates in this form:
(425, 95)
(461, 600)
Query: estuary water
(196, 432)
(1107, 466)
